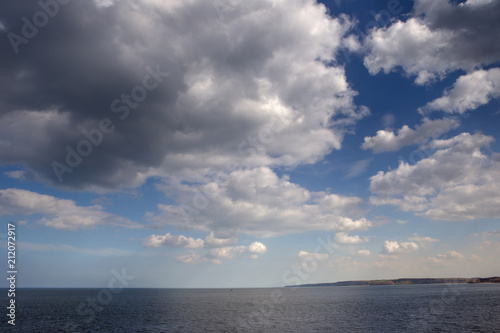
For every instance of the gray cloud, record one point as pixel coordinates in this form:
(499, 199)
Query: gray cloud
(58, 213)
(65, 79)
(228, 83)
(439, 37)
(387, 140)
(476, 27)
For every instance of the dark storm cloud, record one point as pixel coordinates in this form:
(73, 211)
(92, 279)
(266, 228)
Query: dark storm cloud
(73, 69)
(476, 27)
(216, 83)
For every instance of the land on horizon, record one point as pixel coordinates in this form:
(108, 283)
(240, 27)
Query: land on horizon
(402, 281)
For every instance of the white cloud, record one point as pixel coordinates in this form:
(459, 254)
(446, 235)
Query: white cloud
(173, 241)
(304, 255)
(468, 92)
(347, 224)
(230, 252)
(212, 241)
(58, 213)
(257, 247)
(439, 38)
(227, 252)
(214, 256)
(102, 252)
(455, 182)
(363, 253)
(476, 3)
(310, 261)
(344, 238)
(446, 258)
(16, 174)
(191, 259)
(451, 255)
(215, 250)
(423, 241)
(358, 168)
(257, 202)
(104, 3)
(411, 45)
(393, 247)
(387, 140)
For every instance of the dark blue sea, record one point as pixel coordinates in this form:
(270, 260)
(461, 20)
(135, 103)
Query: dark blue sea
(411, 308)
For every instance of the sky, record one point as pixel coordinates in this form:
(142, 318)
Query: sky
(229, 143)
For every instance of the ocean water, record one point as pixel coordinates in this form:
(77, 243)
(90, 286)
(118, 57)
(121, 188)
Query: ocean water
(413, 308)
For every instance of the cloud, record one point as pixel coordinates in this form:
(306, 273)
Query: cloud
(387, 140)
(358, 168)
(304, 255)
(393, 247)
(16, 174)
(103, 201)
(309, 261)
(438, 38)
(344, 238)
(388, 120)
(476, 3)
(169, 240)
(446, 258)
(212, 241)
(261, 88)
(363, 253)
(259, 203)
(192, 259)
(493, 232)
(58, 213)
(227, 252)
(257, 247)
(216, 249)
(468, 92)
(102, 252)
(423, 240)
(455, 182)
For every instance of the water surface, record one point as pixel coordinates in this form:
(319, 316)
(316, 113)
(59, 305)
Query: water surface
(412, 308)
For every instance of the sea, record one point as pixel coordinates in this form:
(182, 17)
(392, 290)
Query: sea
(403, 308)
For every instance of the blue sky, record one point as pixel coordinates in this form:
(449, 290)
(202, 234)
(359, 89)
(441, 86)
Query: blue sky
(261, 144)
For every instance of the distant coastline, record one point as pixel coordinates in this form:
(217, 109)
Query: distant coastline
(403, 281)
